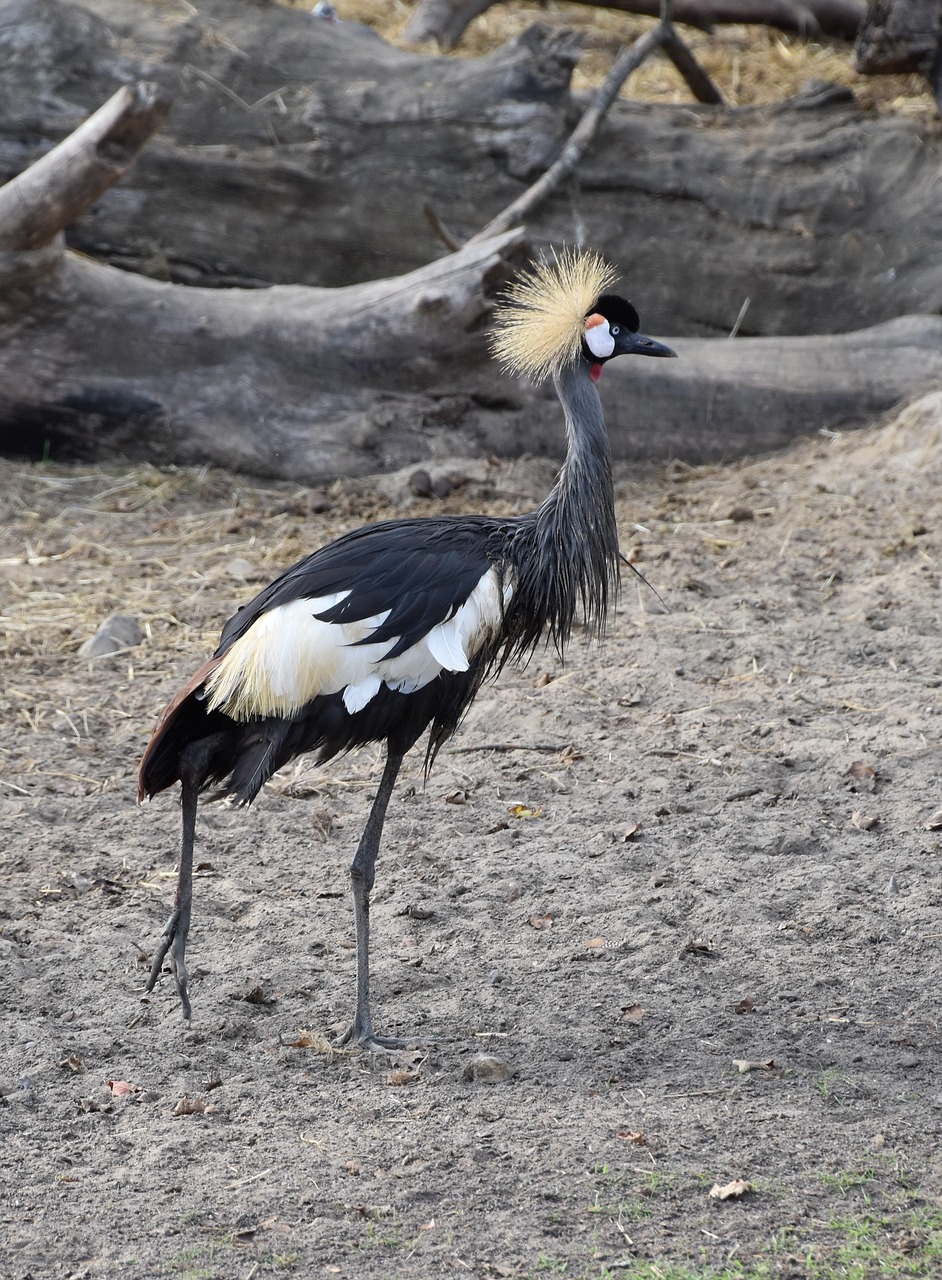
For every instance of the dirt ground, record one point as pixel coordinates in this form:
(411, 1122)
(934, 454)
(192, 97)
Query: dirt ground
(683, 889)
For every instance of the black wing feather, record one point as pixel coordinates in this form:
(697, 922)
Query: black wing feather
(419, 570)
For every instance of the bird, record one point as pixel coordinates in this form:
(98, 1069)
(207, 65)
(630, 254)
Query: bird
(389, 631)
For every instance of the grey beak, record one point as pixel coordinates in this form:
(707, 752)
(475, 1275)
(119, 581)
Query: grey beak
(636, 344)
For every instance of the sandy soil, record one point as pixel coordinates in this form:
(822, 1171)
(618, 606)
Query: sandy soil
(700, 846)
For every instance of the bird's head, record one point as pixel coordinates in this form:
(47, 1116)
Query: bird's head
(612, 328)
(561, 313)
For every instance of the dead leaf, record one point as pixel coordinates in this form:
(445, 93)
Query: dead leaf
(569, 755)
(630, 832)
(745, 1005)
(427, 1226)
(700, 946)
(73, 1063)
(121, 1088)
(732, 1191)
(596, 944)
(743, 1065)
(632, 696)
(415, 912)
(542, 680)
(863, 774)
(935, 822)
(524, 811)
(258, 995)
(456, 797)
(629, 1136)
(540, 922)
(863, 821)
(197, 1106)
(859, 770)
(396, 1079)
(632, 1013)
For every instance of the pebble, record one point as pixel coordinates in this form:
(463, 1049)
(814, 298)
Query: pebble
(114, 634)
(486, 1069)
(420, 484)
(241, 569)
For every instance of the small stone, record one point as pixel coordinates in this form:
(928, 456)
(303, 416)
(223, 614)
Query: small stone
(115, 634)
(420, 484)
(484, 1068)
(240, 569)
(442, 487)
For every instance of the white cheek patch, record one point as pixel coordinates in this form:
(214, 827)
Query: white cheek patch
(598, 338)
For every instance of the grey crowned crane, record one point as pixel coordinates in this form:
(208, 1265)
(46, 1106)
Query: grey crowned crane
(390, 630)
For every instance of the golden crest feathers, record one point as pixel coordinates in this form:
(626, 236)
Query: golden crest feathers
(540, 320)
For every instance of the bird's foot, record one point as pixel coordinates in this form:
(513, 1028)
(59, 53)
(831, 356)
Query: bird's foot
(360, 1035)
(173, 942)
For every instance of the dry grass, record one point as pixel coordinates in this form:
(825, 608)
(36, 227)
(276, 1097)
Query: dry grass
(751, 65)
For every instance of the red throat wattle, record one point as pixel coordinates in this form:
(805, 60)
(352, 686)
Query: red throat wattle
(595, 372)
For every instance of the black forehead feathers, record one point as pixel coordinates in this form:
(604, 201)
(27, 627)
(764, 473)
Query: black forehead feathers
(618, 311)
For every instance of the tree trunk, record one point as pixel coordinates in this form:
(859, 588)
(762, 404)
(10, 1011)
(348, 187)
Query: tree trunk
(308, 383)
(445, 21)
(285, 128)
(899, 36)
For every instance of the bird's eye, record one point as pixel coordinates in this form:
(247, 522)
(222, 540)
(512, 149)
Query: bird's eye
(613, 330)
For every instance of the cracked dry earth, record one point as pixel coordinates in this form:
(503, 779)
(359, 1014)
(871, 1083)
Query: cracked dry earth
(684, 889)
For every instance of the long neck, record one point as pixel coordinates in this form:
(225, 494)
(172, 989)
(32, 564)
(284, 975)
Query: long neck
(574, 531)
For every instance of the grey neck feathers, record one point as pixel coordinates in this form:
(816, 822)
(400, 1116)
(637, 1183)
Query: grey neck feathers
(575, 536)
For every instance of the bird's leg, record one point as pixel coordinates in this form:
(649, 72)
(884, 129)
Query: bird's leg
(173, 939)
(362, 874)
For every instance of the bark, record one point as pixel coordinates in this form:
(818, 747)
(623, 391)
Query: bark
(807, 206)
(826, 217)
(445, 21)
(308, 383)
(899, 36)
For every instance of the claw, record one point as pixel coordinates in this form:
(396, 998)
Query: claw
(173, 941)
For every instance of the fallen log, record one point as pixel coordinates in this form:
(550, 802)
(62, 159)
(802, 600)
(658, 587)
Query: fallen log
(310, 383)
(445, 21)
(284, 130)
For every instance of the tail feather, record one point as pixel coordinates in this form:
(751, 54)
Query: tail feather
(181, 722)
(260, 753)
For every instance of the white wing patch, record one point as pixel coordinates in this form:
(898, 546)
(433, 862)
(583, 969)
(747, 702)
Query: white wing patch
(288, 656)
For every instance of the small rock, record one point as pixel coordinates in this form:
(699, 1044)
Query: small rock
(114, 634)
(241, 569)
(420, 484)
(442, 487)
(486, 1069)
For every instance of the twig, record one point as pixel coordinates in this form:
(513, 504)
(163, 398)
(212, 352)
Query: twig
(448, 239)
(662, 36)
(580, 140)
(695, 77)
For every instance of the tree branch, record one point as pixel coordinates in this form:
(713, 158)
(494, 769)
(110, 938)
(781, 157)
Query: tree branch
(580, 139)
(445, 21)
(49, 195)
